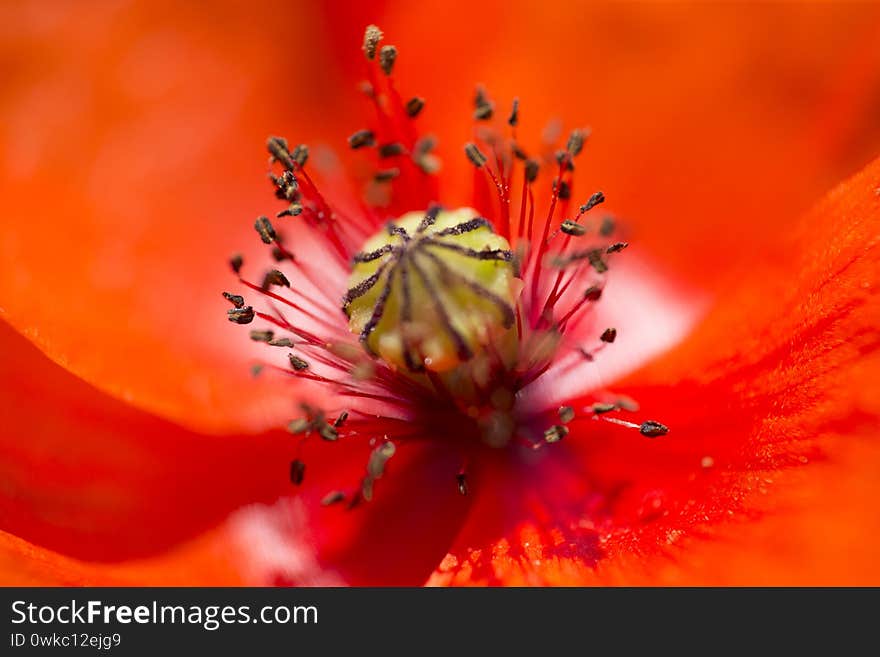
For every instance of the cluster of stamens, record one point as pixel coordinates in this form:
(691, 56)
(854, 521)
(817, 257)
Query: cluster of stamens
(449, 315)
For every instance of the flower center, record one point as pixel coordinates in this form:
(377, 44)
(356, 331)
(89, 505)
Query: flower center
(457, 314)
(432, 290)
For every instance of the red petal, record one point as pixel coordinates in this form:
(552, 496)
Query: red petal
(94, 479)
(779, 387)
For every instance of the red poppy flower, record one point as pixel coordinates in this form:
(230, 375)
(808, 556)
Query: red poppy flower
(138, 450)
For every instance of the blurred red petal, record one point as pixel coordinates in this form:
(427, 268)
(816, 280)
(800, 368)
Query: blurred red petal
(769, 474)
(92, 477)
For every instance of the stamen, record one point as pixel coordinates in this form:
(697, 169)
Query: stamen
(593, 201)
(474, 155)
(275, 277)
(386, 174)
(391, 150)
(573, 228)
(262, 336)
(277, 147)
(372, 37)
(609, 335)
(387, 57)
(362, 138)
(555, 433)
(566, 414)
(265, 230)
(414, 106)
(240, 315)
(297, 363)
(297, 472)
(513, 120)
(235, 299)
(653, 429)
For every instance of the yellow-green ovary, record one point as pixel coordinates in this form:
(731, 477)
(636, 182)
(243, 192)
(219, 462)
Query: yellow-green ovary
(478, 318)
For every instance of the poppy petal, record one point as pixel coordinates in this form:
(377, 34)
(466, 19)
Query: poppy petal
(91, 478)
(769, 472)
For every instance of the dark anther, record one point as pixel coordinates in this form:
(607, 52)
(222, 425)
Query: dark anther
(299, 425)
(566, 414)
(372, 37)
(483, 112)
(235, 299)
(563, 159)
(333, 497)
(240, 315)
(265, 229)
(278, 149)
(653, 429)
(592, 202)
(286, 186)
(572, 228)
(564, 189)
(576, 142)
(281, 342)
(236, 261)
(607, 226)
(343, 416)
(387, 57)
(378, 458)
(366, 489)
(555, 433)
(618, 246)
(391, 150)
(386, 175)
(532, 168)
(513, 119)
(593, 293)
(461, 480)
(596, 262)
(328, 432)
(422, 156)
(297, 472)
(599, 408)
(300, 155)
(262, 336)
(362, 138)
(292, 210)
(414, 105)
(275, 277)
(474, 155)
(256, 369)
(519, 153)
(424, 145)
(298, 363)
(608, 335)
